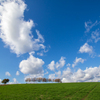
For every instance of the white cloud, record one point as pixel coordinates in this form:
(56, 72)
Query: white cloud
(95, 35)
(52, 76)
(31, 53)
(86, 49)
(15, 32)
(14, 81)
(0, 81)
(68, 64)
(67, 73)
(7, 74)
(89, 25)
(40, 37)
(60, 63)
(58, 74)
(31, 66)
(66, 76)
(17, 73)
(78, 60)
(91, 74)
(46, 72)
(40, 53)
(51, 66)
(66, 80)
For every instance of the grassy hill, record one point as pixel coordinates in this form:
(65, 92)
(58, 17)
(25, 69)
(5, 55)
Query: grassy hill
(52, 91)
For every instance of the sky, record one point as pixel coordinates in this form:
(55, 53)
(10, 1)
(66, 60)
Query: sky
(50, 39)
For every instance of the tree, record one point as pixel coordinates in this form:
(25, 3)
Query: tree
(39, 79)
(33, 79)
(58, 80)
(44, 80)
(5, 81)
(49, 80)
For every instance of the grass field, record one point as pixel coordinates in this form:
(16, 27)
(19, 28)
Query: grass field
(54, 91)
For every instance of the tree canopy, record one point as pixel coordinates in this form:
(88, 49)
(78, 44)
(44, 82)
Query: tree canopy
(5, 81)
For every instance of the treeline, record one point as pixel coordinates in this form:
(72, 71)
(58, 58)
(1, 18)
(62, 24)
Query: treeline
(42, 80)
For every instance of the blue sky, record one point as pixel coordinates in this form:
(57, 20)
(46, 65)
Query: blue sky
(51, 39)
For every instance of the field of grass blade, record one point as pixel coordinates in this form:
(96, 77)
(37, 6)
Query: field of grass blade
(52, 91)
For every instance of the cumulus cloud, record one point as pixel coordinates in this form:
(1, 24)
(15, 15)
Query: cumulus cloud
(91, 74)
(52, 66)
(52, 76)
(86, 49)
(60, 63)
(7, 74)
(58, 74)
(15, 80)
(67, 73)
(15, 32)
(89, 25)
(68, 64)
(55, 75)
(17, 73)
(78, 60)
(32, 65)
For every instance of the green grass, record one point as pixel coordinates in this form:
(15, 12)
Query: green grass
(54, 91)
